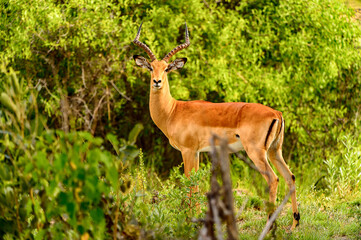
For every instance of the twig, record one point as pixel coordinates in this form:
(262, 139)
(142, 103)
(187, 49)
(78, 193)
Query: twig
(275, 215)
(206, 4)
(17, 213)
(44, 84)
(221, 206)
(83, 75)
(122, 94)
(96, 111)
(36, 86)
(242, 208)
(228, 194)
(216, 219)
(115, 227)
(108, 103)
(64, 106)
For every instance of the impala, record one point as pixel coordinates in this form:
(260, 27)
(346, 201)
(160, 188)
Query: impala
(188, 125)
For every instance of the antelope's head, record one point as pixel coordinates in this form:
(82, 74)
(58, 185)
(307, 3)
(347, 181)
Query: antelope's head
(160, 68)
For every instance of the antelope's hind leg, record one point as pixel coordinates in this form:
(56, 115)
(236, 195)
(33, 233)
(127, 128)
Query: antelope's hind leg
(275, 156)
(259, 158)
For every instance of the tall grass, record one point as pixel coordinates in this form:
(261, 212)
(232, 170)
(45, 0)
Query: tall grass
(344, 171)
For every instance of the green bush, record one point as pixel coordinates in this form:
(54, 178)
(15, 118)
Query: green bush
(343, 175)
(64, 190)
(58, 185)
(70, 187)
(166, 211)
(67, 65)
(299, 57)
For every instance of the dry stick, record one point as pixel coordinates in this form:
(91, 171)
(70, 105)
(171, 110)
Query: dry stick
(242, 208)
(18, 215)
(221, 161)
(205, 3)
(108, 103)
(64, 105)
(122, 94)
(96, 111)
(280, 207)
(83, 75)
(227, 185)
(216, 219)
(207, 231)
(115, 227)
(214, 190)
(87, 111)
(216, 161)
(275, 215)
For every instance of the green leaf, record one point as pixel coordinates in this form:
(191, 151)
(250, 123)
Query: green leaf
(60, 161)
(112, 175)
(135, 132)
(8, 103)
(97, 215)
(114, 141)
(40, 234)
(53, 189)
(41, 160)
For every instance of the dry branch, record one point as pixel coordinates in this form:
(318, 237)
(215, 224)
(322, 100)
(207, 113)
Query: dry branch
(220, 197)
(275, 215)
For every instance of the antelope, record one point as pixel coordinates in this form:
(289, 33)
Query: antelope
(189, 125)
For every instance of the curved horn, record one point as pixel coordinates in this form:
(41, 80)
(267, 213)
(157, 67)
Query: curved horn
(178, 48)
(142, 45)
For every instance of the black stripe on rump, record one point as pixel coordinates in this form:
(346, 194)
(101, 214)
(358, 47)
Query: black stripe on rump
(269, 132)
(282, 123)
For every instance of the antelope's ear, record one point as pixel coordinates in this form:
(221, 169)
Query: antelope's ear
(142, 62)
(176, 64)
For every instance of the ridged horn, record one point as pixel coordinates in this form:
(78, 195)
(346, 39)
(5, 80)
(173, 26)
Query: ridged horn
(178, 48)
(142, 45)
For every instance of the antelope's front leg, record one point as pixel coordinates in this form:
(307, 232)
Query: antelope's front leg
(191, 161)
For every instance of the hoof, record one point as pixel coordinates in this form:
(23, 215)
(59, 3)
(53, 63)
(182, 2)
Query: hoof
(296, 220)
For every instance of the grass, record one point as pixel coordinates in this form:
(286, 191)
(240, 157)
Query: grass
(321, 218)
(163, 213)
(340, 220)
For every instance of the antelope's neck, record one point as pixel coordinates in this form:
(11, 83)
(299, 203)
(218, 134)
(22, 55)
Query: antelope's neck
(161, 105)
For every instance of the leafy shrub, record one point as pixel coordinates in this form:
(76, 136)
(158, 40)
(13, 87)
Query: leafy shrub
(66, 189)
(344, 171)
(299, 57)
(165, 210)
(73, 71)
(53, 184)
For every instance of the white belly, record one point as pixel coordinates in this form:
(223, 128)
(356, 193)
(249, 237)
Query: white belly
(236, 147)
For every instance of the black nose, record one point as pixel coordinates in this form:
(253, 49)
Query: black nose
(156, 82)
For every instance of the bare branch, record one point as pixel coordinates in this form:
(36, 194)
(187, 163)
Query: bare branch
(242, 208)
(275, 215)
(206, 4)
(217, 221)
(83, 75)
(220, 198)
(122, 94)
(96, 111)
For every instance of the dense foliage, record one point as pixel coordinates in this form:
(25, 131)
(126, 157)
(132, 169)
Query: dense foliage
(70, 90)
